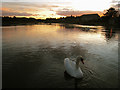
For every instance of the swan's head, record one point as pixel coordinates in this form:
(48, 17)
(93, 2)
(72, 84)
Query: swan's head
(79, 58)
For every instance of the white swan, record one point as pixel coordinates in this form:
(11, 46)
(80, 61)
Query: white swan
(72, 67)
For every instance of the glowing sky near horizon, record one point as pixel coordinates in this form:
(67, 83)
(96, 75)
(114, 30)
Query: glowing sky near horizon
(53, 8)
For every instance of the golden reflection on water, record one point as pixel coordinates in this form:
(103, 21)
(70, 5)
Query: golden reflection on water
(33, 32)
(92, 37)
(55, 33)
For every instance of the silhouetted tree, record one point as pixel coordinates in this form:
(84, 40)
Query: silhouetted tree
(111, 12)
(111, 17)
(14, 17)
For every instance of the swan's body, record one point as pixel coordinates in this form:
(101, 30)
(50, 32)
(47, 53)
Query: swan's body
(72, 68)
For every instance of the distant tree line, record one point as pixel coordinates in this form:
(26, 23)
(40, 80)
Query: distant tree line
(6, 21)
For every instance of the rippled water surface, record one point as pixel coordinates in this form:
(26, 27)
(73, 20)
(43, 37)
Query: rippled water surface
(33, 56)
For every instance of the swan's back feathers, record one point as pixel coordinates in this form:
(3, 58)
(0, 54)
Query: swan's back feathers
(71, 69)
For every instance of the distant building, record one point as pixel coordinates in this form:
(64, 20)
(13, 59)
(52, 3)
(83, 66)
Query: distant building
(70, 16)
(89, 17)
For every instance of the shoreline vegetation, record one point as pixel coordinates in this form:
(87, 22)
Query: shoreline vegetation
(110, 18)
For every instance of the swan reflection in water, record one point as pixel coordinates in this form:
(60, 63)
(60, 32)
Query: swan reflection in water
(68, 78)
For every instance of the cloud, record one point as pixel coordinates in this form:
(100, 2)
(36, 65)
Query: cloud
(114, 1)
(28, 5)
(36, 0)
(116, 6)
(10, 12)
(66, 12)
(7, 13)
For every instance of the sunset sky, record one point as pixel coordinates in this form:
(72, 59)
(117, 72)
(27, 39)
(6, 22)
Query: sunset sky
(54, 8)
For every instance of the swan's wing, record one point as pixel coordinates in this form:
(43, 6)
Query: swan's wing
(68, 66)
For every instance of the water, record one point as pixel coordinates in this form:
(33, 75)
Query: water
(33, 56)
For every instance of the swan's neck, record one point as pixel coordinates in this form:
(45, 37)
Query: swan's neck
(77, 64)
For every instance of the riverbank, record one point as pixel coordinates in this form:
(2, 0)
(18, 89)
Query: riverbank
(82, 20)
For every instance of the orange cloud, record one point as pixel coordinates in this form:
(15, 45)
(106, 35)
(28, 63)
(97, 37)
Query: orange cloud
(5, 9)
(8, 13)
(14, 12)
(11, 12)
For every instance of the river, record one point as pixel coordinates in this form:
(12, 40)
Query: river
(33, 56)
